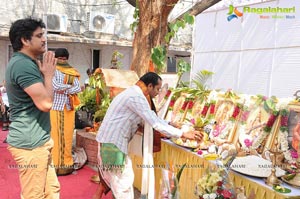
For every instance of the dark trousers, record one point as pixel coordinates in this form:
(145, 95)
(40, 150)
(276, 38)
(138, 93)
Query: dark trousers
(5, 115)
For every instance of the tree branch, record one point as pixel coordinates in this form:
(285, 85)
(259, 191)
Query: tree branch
(198, 8)
(132, 2)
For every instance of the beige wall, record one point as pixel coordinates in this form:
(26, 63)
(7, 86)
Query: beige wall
(3, 58)
(80, 53)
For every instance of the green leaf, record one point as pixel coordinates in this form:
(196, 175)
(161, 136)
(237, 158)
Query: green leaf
(158, 56)
(180, 172)
(190, 19)
(183, 66)
(180, 24)
(269, 105)
(201, 79)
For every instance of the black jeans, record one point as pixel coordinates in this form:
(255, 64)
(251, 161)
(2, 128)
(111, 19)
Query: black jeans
(5, 115)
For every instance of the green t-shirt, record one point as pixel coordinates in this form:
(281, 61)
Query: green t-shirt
(30, 127)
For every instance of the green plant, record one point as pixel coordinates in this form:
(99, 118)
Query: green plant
(100, 113)
(116, 56)
(96, 98)
(159, 53)
(178, 175)
(136, 17)
(158, 56)
(179, 23)
(87, 99)
(182, 67)
(201, 79)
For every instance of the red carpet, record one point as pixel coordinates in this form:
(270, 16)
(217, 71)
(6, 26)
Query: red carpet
(74, 186)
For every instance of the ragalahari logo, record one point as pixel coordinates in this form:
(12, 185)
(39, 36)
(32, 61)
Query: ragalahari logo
(233, 13)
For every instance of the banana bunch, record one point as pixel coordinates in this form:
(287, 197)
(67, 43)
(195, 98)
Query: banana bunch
(211, 156)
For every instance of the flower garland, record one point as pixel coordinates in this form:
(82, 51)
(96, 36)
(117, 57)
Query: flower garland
(164, 100)
(172, 102)
(205, 109)
(236, 112)
(270, 122)
(184, 105)
(283, 134)
(190, 104)
(212, 108)
(270, 104)
(245, 112)
(283, 129)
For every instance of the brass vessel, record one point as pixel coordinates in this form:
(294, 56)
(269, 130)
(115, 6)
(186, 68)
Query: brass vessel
(272, 180)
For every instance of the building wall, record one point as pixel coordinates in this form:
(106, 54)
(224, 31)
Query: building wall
(80, 53)
(81, 56)
(76, 11)
(3, 58)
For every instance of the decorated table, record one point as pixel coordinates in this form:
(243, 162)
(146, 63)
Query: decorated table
(175, 156)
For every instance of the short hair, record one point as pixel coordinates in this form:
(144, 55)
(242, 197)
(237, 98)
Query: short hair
(23, 28)
(89, 71)
(150, 77)
(61, 52)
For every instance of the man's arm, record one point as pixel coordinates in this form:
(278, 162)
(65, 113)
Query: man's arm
(75, 87)
(140, 106)
(42, 94)
(57, 83)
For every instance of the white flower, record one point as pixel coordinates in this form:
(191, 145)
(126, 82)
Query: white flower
(212, 196)
(284, 145)
(247, 100)
(206, 196)
(283, 103)
(212, 96)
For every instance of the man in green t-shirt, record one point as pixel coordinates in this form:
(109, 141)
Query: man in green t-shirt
(30, 96)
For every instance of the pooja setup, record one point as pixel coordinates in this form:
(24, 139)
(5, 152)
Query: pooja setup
(250, 147)
(247, 147)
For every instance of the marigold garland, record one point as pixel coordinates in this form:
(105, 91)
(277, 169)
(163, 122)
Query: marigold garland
(283, 134)
(236, 112)
(270, 122)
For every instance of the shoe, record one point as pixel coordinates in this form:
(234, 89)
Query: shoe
(64, 172)
(5, 128)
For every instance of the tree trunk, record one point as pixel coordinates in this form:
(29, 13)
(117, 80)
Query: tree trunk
(151, 30)
(153, 26)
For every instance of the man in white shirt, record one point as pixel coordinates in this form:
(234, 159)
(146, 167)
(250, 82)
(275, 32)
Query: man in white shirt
(87, 80)
(127, 111)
